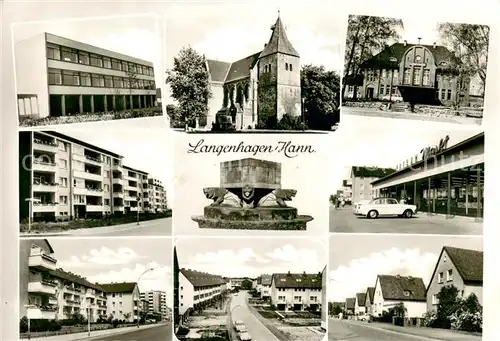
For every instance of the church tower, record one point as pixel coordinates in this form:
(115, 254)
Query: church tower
(279, 77)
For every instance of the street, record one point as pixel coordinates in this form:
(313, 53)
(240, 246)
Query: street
(160, 333)
(374, 112)
(344, 221)
(156, 227)
(240, 311)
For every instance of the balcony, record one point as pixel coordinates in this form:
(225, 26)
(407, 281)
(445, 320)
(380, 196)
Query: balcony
(53, 300)
(95, 208)
(88, 176)
(42, 287)
(42, 262)
(118, 208)
(130, 198)
(44, 207)
(95, 192)
(92, 160)
(44, 146)
(118, 194)
(44, 187)
(117, 181)
(44, 313)
(44, 166)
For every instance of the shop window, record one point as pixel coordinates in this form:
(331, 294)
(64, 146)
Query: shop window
(95, 60)
(406, 77)
(70, 78)
(55, 77)
(53, 51)
(83, 58)
(416, 75)
(85, 79)
(69, 55)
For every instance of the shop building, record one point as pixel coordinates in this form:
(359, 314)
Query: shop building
(440, 179)
(56, 76)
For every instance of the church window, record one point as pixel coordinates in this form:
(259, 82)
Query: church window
(427, 78)
(265, 68)
(290, 67)
(286, 66)
(416, 75)
(406, 79)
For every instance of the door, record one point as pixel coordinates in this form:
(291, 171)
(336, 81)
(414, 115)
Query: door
(393, 207)
(369, 93)
(380, 206)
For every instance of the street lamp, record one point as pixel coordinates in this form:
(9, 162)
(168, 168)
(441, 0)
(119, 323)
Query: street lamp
(138, 203)
(31, 201)
(145, 271)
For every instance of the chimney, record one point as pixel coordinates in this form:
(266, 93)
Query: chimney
(405, 42)
(434, 45)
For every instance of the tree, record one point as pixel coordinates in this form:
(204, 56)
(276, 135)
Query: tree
(470, 44)
(448, 304)
(189, 84)
(320, 91)
(246, 284)
(399, 310)
(175, 115)
(366, 35)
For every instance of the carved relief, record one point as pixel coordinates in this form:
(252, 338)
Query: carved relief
(217, 194)
(247, 196)
(283, 195)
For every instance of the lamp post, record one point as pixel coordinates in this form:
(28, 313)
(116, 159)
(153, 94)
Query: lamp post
(28, 316)
(138, 204)
(145, 271)
(30, 214)
(88, 317)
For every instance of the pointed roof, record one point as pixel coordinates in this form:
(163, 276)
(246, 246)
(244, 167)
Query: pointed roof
(279, 42)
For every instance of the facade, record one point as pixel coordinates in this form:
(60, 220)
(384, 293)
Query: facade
(393, 290)
(264, 286)
(70, 179)
(370, 292)
(347, 190)
(461, 268)
(324, 301)
(415, 73)
(362, 178)
(297, 292)
(350, 305)
(442, 179)
(56, 76)
(263, 86)
(198, 290)
(360, 304)
(124, 301)
(155, 303)
(157, 196)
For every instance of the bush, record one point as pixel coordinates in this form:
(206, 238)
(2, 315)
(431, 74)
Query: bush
(182, 331)
(37, 325)
(289, 122)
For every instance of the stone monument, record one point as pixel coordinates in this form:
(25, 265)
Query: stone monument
(250, 197)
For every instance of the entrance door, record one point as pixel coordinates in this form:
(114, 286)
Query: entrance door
(80, 211)
(369, 93)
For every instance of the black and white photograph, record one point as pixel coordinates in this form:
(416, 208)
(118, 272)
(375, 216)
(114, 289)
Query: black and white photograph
(253, 68)
(271, 289)
(244, 191)
(422, 180)
(95, 289)
(418, 69)
(401, 288)
(72, 71)
(106, 180)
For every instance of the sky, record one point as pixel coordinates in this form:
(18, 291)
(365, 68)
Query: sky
(354, 269)
(251, 257)
(138, 36)
(108, 260)
(146, 144)
(386, 142)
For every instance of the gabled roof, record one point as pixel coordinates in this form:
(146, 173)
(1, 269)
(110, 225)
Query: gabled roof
(218, 70)
(394, 288)
(303, 280)
(279, 42)
(361, 298)
(124, 287)
(370, 294)
(71, 277)
(202, 279)
(350, 302)
(241, 68)
(266, 279)
(371, 172)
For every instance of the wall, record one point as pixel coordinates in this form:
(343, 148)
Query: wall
(267, 88)
(288, 94)
(215, 102)
(31, 70)
(186, 293)
(362, 188)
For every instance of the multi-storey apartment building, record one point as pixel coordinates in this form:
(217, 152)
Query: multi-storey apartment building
(48, 292)
(297, 291)
(64, 178)
(56, 76)
(362, 178)
(156, 302)
(124, 301)
(197, 289)
(157, 196)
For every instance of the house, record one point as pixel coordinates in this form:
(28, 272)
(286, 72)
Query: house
(350, 304)
(359, 304)
(198, 289)
(296, 292)
(461, 268)
(361, 179)
(392, 290)
(370, 292)
(124, 301)
(264, 286)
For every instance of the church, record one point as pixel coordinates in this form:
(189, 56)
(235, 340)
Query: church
(261, 87)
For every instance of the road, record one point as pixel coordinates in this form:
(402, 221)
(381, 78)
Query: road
(156, 227)
(357, 331)
(343, 221)
(160, 333)
(374, 112)
(241, 311)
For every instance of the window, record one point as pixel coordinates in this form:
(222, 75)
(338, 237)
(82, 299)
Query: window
(118, 82)
(95, 60)
(53, 51)
(108, 81)
(63, 182)
(297, 298)
(140, 84)
(391, 202)
(384, 73)
(132, 68)
(350, 88)
(106, 188)
(418, 59)
(69, 55)
(106, 62)
(116, 64)
(64, 164)
(435, 299)
(139, 69)
(70, 78)
(393, 59)
(83, 58)
(106, 174)
(387, 89)
(85, 79)
(440, 277)
(427, 79)
(126, 83)
(286, 66)
(63, 199)
(443, 94)
(125, 66)
(394, 90)
(449, 95)
(416, 75)
(62, 146)
(55, 77)
(97, 81)
(406, 293)
(291, 67)
(449, 275)
(381, 89)
(406, 76)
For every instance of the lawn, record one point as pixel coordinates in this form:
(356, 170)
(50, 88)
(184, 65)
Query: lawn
(268, 314)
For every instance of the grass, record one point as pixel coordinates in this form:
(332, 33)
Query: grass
(268, 314)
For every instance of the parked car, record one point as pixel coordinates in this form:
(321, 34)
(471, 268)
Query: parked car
(392, 98)
(384, 207)
(240, 326)
(244, 336)
(363, 317)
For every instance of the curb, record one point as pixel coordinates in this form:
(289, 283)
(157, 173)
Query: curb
(89, 338)
(419, 337)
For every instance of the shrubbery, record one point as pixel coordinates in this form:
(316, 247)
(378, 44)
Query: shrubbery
(39, 325)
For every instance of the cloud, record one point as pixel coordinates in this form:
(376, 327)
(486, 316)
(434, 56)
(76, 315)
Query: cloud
(101, 257)
(347, 280)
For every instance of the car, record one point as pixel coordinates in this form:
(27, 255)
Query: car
(393, 98)
(363, 317)
(239, 326)
(383, 207)
(245, 336)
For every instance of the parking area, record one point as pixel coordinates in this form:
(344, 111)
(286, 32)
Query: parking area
(344, 221)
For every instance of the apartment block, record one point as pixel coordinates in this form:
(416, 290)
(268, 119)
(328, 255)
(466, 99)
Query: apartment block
(124, 301)
(63, 178)
(157, 196)
(156, 303)
(297, 292)
(56, 76)
(197, 289)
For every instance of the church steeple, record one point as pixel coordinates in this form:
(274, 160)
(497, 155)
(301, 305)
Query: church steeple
(279, 43)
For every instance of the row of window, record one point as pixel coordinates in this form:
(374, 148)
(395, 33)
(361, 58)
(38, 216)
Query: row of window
(288, 67)
(74, 78)
(66, 54)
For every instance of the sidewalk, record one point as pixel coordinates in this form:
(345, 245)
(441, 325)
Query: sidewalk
(93, 334)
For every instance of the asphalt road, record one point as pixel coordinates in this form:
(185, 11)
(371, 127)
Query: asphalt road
(361, 331)
(160, 333)
(344, 221)
(156, 227)
(240, 311)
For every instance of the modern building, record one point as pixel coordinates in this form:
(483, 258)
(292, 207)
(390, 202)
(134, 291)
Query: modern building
(68, 179)
(362, 178)
(124, 301)
(324, 301)
(370, 292)
(56, 76)
(392, 290)
(156, 303)
(297, 292)
(442, 179)
(264, 286)
(157, 196)
(460, 268)
(347, 190)
(360, 304)
(261, 87)
(416, 73)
